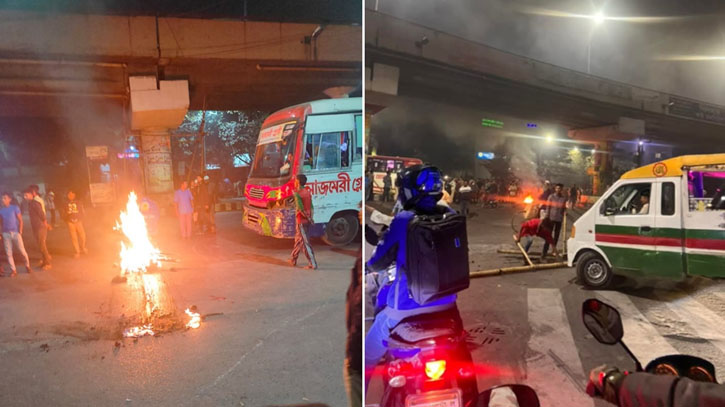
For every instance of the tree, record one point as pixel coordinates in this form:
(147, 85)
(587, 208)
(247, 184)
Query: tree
(229, 135)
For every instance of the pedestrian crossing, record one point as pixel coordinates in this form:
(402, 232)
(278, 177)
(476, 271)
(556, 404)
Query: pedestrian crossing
(560, 352)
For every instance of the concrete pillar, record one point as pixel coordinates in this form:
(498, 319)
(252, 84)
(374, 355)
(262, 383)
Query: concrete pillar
(156, 149)
(156, 109)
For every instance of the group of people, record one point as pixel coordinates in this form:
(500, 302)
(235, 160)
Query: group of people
(547, 218)
(38, 209)
(195, 206)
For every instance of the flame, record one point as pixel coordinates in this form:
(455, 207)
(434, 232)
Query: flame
(195, 321)
(139, 253)
(529, 200)
(138, 331)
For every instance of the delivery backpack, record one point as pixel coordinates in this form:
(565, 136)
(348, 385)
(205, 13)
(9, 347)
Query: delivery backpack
(437, 256)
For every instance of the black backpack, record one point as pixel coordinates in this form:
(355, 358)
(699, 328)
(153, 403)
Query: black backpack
(437, 256)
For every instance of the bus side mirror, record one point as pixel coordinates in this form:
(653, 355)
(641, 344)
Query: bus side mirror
(609, 211)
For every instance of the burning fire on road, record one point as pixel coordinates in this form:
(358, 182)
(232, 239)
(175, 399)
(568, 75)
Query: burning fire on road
(137, 255)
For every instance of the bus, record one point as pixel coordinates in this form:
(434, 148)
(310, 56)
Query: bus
(323, 140)
(380, 164)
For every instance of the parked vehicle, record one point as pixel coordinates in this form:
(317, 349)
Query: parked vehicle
(665, 219)
(323, 140)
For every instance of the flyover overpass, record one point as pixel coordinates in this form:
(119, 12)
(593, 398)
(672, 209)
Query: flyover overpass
(52, 65)
(430, 64)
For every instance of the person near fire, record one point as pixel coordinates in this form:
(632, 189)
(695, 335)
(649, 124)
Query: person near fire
(537, 227)
(40, 227)
(555, 211)
(11, 223)
(50, 200)
(184, 209)
(303, 220)
(73, 212)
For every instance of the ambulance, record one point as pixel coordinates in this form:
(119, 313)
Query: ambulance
(666, 219)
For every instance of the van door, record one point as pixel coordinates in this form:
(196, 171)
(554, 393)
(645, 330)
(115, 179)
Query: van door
(704, 222)
(625, 227)
(669, 260)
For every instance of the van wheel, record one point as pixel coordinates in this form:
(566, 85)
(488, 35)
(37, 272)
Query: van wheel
(594, 271)
(341, 229)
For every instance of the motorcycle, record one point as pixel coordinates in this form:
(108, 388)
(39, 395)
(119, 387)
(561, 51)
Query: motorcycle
(605, 324)
(427, 361)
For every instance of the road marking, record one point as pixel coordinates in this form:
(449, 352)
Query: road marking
(640, 335)
(554, 376)
(707, 324)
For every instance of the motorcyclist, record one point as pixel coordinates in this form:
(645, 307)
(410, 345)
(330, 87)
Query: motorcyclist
(420, 187)
(646, 389)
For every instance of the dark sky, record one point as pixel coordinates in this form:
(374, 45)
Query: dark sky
(634, 52)
(332, 11)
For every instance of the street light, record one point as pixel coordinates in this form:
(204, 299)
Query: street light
(598, 19)
(549, 138)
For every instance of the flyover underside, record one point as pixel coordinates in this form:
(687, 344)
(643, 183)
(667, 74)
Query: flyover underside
(36, 88)
(421, 78)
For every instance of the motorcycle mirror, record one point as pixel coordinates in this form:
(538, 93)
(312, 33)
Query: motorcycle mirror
(603, 321)
(508, 395)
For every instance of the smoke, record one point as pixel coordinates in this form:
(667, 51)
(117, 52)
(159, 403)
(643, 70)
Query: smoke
(449, 137)
(626, 50)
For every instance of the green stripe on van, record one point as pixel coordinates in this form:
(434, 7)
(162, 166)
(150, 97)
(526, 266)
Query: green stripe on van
(662, 232)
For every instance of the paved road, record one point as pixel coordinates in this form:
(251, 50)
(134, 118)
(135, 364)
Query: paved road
(277, 337)
(527, 327)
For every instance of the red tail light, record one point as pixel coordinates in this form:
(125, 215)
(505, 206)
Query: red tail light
(434, 369)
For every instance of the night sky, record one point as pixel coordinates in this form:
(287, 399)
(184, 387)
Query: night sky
(634, 52)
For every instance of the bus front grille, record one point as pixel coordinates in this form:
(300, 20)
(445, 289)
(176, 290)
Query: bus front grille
(256, 193)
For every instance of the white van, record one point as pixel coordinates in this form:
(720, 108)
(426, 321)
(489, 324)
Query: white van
(665, 219)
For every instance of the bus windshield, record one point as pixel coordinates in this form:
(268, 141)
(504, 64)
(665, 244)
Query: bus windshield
(275, 151)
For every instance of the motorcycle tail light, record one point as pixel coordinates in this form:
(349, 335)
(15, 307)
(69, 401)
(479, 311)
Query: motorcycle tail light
(434, 369)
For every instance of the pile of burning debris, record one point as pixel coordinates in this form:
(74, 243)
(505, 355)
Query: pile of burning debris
(138, 255)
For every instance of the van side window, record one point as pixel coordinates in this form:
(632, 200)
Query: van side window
(630, 199)
(327, 151)
(706, 190)
(668, 198)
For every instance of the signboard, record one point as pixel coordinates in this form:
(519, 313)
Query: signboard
(275, 133)
(101, 193)
(485, 156)
(96, 152)
(497, 124)
(696, 110)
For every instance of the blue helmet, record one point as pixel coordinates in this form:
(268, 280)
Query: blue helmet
(417, 183)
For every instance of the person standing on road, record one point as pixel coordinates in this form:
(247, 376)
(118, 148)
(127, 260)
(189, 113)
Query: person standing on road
(574, 195)
(387, 184)
(368, 185)
(184, 209)
(556, 208)
(35, 190)
(40, 227)
(50, 200)
(303, 220)
(464, 198)
(12, 232)
(73, 217)
(544, 197)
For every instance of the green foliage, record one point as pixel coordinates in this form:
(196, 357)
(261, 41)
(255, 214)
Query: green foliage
(229, 134)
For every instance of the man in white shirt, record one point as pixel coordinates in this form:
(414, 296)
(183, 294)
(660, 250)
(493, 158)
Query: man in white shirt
(644, 200)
